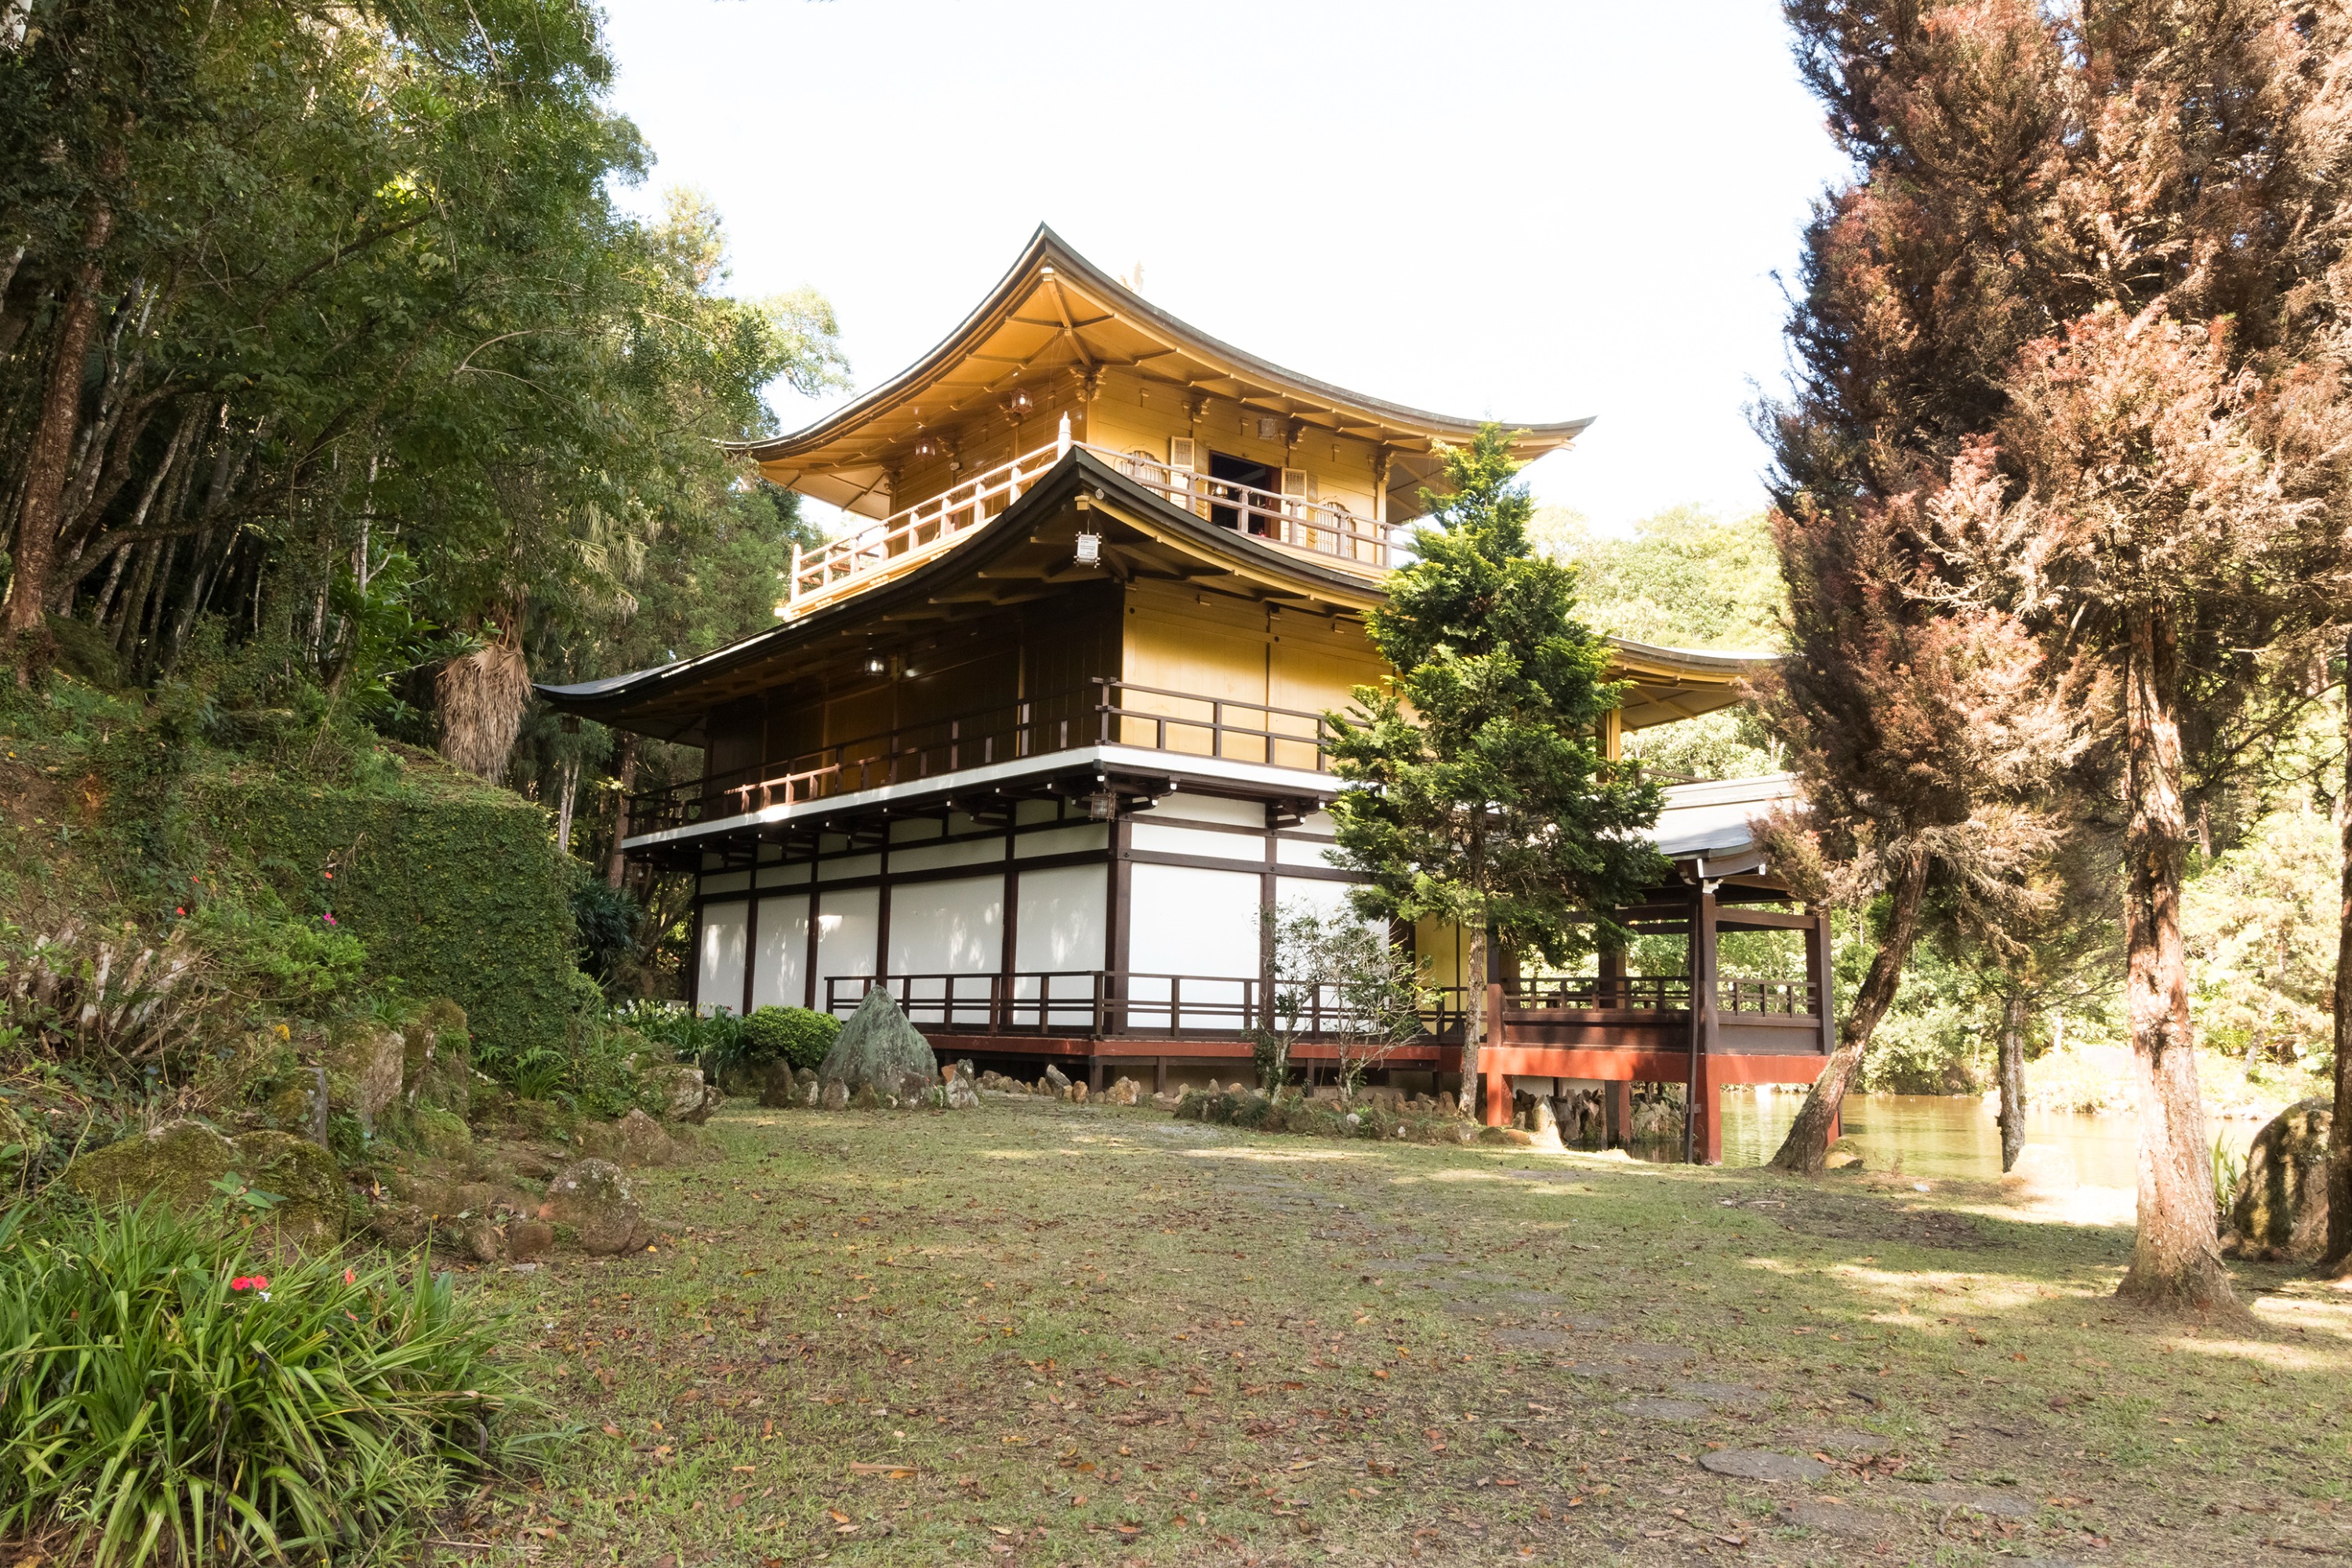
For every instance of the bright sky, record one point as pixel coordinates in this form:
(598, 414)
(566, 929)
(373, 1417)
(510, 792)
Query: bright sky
(1526, 212)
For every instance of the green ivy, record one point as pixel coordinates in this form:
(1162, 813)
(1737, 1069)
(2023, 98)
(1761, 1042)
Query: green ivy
(453, 890)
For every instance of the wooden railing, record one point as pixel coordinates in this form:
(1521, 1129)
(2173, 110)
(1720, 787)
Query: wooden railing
(1660, 994)
(1790, 998)
(913, 534)
(1100, 713)
(1092, 1001)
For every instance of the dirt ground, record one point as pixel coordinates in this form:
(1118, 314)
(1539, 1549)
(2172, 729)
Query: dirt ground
(1039, 1333)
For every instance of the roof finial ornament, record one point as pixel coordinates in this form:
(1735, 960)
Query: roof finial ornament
(1062, 436)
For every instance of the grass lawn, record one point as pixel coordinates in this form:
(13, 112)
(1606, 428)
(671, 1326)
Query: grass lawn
(1040, 1333)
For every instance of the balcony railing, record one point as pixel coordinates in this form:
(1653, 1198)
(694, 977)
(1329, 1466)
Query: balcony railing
(910, 536)
(1661, 994)
(1121, 1003)
(1100, 713)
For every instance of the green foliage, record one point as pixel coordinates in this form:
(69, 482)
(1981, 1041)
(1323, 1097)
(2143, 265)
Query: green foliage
(605, 927)
(1680, 578)
(450, 887)
(159, 1415)
(712, 1039)
(797, 1036)
(302, 965)
(1487, 802)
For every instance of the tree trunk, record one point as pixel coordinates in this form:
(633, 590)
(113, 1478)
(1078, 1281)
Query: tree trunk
(2177, 1259)
(570, 771)
(1807, 1142)
(1474, 1025)
(616, 868)
(2012, 1079)
(49, 454)
(2338, 1256)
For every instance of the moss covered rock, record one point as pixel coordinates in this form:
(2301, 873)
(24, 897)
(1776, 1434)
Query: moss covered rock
(365, 1068)
(440, 1133)
(313, 1206)
(437, 1060)
(176, 1164)
(2280, 1212)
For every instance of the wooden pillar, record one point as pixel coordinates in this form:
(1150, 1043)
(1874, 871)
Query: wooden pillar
(694, 957)
(1710, 1103)
(1498, 1087)
(1160, 1076)
(1094, 1075)
(1117, 927)
(1617, 1111)
(1818, 974)
(1701, 1121)
(751, 932)
(1612, 989)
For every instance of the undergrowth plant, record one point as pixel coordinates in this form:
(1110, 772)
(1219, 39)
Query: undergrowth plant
(166, 1397)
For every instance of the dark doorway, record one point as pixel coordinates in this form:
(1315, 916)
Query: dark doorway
(1239, 471)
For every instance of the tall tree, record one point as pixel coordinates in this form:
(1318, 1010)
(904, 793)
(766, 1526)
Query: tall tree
(2105, 181)
(1914, 725)
(1486, 803)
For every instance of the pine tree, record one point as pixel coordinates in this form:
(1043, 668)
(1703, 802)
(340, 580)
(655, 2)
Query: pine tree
(1484, 800)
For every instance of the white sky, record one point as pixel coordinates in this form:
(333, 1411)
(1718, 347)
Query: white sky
(1527, 212)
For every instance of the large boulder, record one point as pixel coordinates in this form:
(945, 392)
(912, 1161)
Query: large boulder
(1125, 1091)
(1054, 1082)
(176, 1164)
(186, 1165)
(589, 1203)
(877, 1050)
(313, 1206)
(635, 1141)
(365, 1068)
(2280, 1214)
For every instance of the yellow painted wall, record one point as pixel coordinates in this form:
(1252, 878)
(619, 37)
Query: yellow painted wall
(1130, 415)
(1209, 646)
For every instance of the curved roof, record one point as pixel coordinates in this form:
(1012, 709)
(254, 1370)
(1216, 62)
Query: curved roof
(1054, 324)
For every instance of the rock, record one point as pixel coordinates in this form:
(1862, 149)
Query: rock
(643, 1143)
(363, 1072)
(1761, 1464)
(1833, 1519)
(1664, 1409)
(865, 1099)
(1981, 1500)
(1078, 1093)
(2041, 1168)
(1737, 1395)
(592, 1200)
(1541, 1122)
(1056, 1080)
(437, 1060)
(683, 1094)
(440, 1135)
(1445, 1102)
(1533, 1339)
(177, 1162)
(877, 1050)
(835, 1096)
(776, 1086)
(313, 1206)
(962, 1093)
(527, 1238)
(2280, 1213)
(1125, 1091)
(1167, 1101)
(1845, 1154)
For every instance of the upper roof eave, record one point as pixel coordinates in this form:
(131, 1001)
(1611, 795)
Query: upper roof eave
(1047, 249)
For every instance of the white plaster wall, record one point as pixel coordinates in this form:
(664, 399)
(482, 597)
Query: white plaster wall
(1188, 921)
(1211, 808)
(780, 958)
(947, 929)
(1063, 926)
(846, 925)
(719, 984)
(1158, 838)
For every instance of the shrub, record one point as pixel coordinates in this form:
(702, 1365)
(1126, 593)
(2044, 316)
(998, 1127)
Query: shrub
(793, 1036)
(161, 1413)
(604, 924)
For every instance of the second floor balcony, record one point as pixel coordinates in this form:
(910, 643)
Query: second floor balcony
(1102, 713)
(1326, 530)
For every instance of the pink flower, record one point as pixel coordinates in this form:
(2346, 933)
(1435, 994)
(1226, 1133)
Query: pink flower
(329, 918)
(349, 1278)
(249, 1282)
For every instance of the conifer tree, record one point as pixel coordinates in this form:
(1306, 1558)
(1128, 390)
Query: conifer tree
(1484, 799)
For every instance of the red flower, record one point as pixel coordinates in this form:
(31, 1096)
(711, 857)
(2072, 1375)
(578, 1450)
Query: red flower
(349, 1278)
(179, 909)
(249, 1282)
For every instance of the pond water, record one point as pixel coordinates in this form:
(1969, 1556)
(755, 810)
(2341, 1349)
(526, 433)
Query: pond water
(1946, 1136)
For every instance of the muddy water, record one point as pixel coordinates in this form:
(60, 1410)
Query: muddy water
(1943, 1136)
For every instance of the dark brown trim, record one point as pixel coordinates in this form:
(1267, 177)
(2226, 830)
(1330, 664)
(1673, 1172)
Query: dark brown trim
(808, 967)
(750, 946)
